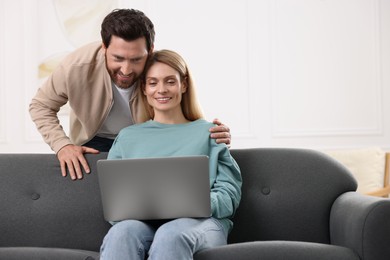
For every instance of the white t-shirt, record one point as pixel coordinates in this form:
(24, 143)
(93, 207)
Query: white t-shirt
(120, 114)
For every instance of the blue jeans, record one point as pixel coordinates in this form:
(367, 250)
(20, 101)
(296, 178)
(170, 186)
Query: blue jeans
(175, 239)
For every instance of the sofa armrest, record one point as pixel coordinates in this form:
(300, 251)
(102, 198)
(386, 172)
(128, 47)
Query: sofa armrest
(362, 223)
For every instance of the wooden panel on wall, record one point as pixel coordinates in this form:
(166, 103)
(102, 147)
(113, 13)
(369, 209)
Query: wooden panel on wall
(326, 78)
(31, 46)
(3, 103)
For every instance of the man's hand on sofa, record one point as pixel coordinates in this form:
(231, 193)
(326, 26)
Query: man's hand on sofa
(72, 157)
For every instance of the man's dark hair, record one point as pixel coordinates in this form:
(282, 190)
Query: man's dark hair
(128, 24)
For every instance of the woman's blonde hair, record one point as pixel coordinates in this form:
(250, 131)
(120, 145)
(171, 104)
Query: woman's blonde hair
(189, 103)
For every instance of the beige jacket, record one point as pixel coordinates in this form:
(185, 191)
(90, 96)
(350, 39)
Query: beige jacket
(82, 80)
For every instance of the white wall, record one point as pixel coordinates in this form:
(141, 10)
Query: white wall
(280, 73)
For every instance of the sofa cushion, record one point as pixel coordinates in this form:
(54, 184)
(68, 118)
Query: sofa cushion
(366, 164)
(41, 253)
(277, 250)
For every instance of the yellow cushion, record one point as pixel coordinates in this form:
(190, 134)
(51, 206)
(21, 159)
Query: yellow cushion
(366, 164)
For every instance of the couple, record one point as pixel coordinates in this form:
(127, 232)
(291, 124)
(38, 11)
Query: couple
(100, 81)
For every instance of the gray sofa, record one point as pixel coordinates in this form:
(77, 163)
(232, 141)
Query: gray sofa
(296, 204)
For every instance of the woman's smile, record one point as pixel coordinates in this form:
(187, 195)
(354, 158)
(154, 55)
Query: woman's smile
(163, 99)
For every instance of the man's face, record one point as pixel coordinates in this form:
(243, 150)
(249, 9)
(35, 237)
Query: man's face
(125, 60)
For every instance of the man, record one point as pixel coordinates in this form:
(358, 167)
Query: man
(98, 80)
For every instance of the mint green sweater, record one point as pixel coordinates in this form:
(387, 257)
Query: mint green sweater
(153, 139)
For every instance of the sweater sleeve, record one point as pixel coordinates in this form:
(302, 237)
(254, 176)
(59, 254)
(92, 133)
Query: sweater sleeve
(226, 189)
(45, 106)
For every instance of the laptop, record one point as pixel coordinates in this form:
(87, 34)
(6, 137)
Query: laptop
(155, 188)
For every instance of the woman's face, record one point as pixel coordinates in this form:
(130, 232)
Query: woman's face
(164, 89)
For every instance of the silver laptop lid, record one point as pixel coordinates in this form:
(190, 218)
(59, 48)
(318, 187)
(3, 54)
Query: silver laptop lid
(155, 188)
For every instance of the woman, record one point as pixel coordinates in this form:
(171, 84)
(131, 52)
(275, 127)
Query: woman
(172, 125)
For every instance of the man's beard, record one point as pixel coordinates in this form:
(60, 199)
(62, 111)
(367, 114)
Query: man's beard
(125, 84)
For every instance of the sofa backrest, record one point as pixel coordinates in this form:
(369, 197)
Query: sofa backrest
(287, 194)
(39, 207)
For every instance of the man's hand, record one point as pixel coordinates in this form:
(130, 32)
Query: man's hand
(71, 156)
(220, 132)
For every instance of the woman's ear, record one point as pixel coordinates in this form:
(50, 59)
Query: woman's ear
(184, 85)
